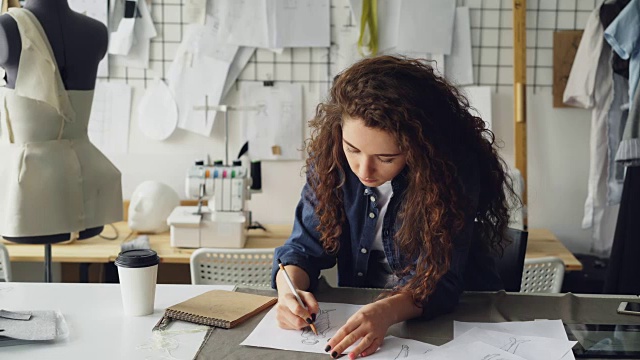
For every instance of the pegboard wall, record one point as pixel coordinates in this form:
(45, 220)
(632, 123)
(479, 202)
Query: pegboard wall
(491, 36)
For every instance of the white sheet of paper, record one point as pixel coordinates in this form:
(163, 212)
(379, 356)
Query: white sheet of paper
(470, 351)
(143, 32)
(345, 51)
(121, 40)
(399, 348)
(331, 317)
(245, 23)
(426, 26)
(109, 121)
(480, 98)
(459, 64)
(237, 65)
(302, 23)
(99, 10)
(277, 123)
(528, 347)
(543, 328)
(157, 112)
(197, 80)
(388, 20)
(195, 11)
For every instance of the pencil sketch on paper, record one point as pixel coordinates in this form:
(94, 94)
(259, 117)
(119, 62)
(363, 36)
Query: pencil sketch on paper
(404, 352)
(492, 357)
(323, 325)
(512, 346)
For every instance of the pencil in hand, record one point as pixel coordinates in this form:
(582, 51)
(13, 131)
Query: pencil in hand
(295, 293)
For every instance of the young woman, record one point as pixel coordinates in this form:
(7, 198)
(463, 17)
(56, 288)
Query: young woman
(405, 191)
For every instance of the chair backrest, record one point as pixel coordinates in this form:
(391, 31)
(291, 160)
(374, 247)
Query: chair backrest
(542, 275)
(5, 265)
(232, 266)
(512, 262)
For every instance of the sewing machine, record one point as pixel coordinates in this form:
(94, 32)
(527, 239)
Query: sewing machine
(223, 223)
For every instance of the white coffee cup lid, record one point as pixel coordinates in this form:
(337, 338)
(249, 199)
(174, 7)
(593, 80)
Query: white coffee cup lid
(137, 258)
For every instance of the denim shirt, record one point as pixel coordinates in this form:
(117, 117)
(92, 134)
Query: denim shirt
(304, 249)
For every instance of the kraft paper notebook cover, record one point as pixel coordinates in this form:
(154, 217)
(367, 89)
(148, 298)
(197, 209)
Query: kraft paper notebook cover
(220, 308)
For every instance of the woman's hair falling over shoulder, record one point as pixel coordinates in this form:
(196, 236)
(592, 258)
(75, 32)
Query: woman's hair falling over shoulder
(431, 122)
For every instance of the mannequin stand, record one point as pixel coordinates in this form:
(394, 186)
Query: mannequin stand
(53, 239)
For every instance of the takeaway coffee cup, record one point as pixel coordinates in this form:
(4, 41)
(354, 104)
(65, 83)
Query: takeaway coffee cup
(138, 271)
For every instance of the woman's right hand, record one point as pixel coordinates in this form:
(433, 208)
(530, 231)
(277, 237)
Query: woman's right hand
(289, 313)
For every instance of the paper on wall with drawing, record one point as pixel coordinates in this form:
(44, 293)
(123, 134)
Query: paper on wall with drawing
(197, 76)
(470, 351)
(274, 129)
(245, 23)
(301, 23)
(108, 127)
(331, 317)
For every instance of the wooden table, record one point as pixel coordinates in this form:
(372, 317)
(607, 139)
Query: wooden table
(542, 242)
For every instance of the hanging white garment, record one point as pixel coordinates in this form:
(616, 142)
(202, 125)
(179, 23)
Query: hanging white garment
(54, 180)
(590, 86)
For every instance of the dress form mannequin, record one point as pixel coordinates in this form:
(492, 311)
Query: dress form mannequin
(78, 44)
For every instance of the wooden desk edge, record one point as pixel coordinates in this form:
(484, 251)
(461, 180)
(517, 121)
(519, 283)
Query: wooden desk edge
(170, 255)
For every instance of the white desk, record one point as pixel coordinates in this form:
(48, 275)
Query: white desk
(98, 328)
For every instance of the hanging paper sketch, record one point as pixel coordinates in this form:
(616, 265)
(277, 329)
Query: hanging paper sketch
(197, 76)
(274, 131)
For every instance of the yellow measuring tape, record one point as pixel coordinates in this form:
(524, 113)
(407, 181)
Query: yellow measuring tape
(369, 21)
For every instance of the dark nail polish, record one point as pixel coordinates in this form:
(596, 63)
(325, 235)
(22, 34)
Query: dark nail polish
(313, 317)
(309, 321)
(327, 348)
(334, 355)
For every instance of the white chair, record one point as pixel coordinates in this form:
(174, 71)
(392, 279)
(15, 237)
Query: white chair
(232, 266)
(5, 265)
(542, 275)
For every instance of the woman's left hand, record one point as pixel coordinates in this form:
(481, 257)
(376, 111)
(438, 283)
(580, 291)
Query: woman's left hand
(369, 325)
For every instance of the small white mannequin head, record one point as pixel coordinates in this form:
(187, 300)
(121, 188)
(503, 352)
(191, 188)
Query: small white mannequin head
(151, 204)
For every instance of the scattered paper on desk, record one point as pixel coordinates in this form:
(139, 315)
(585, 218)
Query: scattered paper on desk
(470, 351)
(330, 318)
(543, 328)
(143, 32)
(274, 129)
(197, 76)
(97, 9)
(426, 26)
(302, 23)
(109, 120)
(480, 99)
(399, 348)
(528, 347)
(459, 64)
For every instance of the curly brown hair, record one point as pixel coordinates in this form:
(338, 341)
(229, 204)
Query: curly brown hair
(431, 122)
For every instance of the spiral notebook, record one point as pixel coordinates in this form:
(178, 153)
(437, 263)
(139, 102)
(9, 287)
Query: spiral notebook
(220, 308)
